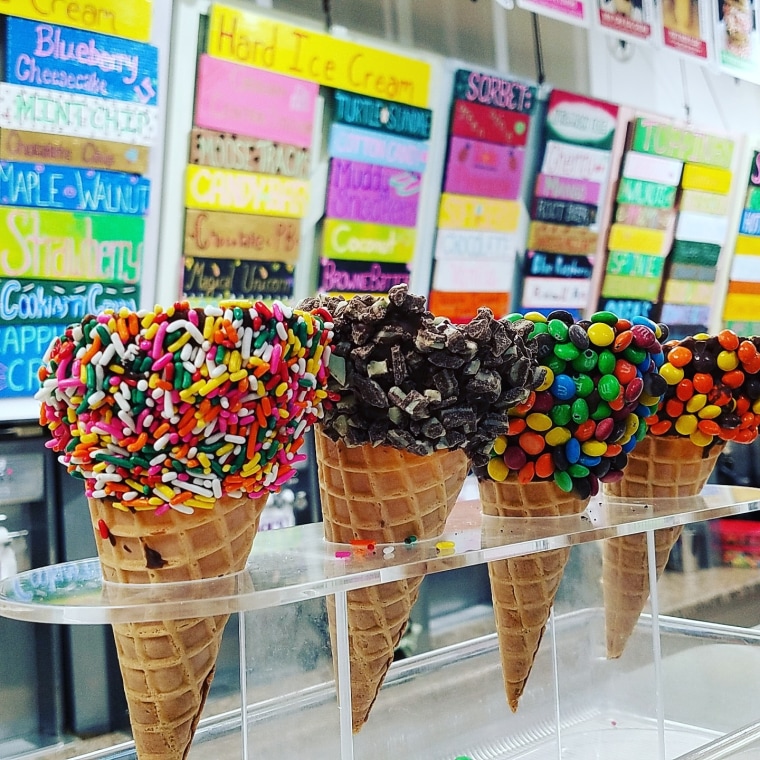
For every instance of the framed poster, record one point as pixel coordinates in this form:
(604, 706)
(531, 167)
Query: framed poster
(686, 28)
(626, 19)
(737, 42)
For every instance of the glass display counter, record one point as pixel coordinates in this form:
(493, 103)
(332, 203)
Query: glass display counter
(682, 690)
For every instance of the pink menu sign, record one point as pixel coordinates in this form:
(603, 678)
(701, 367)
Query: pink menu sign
(484, 169)
(372, 193)
(254, 102)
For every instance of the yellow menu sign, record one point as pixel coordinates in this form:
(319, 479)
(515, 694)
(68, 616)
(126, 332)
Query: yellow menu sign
(255, 40)
(122, 19)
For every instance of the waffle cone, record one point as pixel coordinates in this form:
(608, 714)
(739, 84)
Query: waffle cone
(384, 495)
(167, 666)
(659, 467)
(523, 588)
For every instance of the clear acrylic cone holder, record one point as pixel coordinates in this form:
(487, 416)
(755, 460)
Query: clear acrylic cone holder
(682, 690)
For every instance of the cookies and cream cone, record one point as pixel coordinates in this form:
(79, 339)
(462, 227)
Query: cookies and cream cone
(383, 495)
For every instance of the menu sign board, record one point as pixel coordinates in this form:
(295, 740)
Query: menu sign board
(45, 55)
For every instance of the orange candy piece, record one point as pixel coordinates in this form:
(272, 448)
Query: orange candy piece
(709, 427)
(532, 443)
(517, 425)
(734, 378)
(728, 340)
(703, 383)
(585, 430)
(661, 427)
(545, 465)
(680, 356)
(674, 408)
(746, 436)
(526, 473)
(747, 351)
(685, 389)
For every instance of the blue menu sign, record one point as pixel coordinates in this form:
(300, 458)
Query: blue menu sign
(72, 60)
(73, 189)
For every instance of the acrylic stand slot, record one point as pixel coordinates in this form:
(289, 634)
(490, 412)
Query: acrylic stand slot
(449, 702)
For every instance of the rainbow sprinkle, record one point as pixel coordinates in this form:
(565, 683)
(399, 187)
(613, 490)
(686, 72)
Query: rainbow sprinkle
(173, 409)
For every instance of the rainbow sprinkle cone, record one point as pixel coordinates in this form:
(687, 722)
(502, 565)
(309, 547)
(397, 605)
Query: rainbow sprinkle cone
(523, 588)
(167, 665)
(711, 397)
(382, 494)
(180, 422)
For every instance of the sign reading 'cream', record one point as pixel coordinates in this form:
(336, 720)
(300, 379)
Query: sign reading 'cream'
(39, 110)
(222, 235)
(131, 20)
(244, 192)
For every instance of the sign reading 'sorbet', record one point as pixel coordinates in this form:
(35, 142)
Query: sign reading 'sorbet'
(44, 55)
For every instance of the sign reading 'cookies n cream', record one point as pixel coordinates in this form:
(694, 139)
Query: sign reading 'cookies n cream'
(131, 20)
(245, 192)
(45, 55)
(39, 110)
(361, 241)
(246, 101)
(38, 301)
(221, 235)
(248, 154)
(66, 245)
(72, 151)
(262, 42)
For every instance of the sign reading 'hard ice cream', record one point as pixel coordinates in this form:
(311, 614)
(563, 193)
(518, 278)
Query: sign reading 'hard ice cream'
(220, 235)
(59, 150)
(45, 55)
(265, 43)
(131, 20)
(65, 245)
(245, 192)
(246, 101)
(38, 301)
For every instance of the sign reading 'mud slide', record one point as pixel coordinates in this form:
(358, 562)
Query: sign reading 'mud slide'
(368, 193)
(247, 101)
(73, 189)
(44, 55)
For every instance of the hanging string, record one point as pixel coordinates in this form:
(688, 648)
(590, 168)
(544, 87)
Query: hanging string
(328, 13)
(538, 49)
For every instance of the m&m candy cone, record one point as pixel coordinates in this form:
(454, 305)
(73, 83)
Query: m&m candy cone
(573, 433)
(711, 397)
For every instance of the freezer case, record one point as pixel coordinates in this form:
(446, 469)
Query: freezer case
(682, 690)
